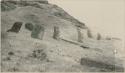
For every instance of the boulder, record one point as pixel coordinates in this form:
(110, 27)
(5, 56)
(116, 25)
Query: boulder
(39, 54)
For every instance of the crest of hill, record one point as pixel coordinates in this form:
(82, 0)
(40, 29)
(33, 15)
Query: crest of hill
(8, 5)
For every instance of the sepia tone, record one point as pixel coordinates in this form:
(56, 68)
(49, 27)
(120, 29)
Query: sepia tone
(38, 36)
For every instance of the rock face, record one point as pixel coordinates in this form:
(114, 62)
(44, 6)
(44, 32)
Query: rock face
(26, 52)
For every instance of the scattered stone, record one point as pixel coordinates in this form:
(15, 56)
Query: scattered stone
(16, 27)
(39, 54)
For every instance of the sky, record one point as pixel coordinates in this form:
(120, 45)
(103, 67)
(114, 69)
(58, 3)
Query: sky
(101, 16)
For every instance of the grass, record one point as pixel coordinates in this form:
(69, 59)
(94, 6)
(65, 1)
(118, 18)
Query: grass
(7, 6)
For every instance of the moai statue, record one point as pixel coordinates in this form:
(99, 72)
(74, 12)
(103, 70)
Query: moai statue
(80, 36)
(41, 35)
(29, 26)
(56, 34)
(89, 33)
(108, 38)
(16, 27)
(98, 36)
(37, 32)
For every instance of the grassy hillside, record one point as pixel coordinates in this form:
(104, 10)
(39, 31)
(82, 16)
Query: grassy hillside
(22, 53)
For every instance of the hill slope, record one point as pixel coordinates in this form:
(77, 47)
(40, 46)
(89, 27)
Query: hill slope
(21, 52)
